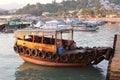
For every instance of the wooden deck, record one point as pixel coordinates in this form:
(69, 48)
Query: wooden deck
(114, 65)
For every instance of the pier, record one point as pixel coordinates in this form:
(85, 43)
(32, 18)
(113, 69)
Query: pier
(114, 64)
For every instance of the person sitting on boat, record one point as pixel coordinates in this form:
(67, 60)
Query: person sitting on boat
(72, 46)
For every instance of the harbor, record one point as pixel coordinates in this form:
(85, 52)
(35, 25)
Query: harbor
(60, 40)
(103, 37)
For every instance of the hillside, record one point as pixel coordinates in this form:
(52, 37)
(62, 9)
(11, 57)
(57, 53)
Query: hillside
(38, 8)
(65, 5)
(2, 11)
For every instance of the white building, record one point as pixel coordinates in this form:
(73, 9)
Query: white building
(12, 11)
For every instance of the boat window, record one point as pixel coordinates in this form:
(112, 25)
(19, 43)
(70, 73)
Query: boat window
(29, 38)
(38, 39)
(66, 36)
(49, 39)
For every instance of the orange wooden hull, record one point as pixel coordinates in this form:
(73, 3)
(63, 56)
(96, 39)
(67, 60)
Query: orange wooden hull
(47, 63)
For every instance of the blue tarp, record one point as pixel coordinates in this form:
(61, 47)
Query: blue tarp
(75, 21)
(60, 23)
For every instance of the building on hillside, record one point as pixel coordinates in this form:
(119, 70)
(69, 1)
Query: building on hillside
(13, 11)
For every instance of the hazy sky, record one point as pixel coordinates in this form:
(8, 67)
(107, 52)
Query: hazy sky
(2, 2)
(16, 4)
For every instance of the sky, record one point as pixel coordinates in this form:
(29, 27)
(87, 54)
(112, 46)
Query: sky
(16, 4)
(26, 1)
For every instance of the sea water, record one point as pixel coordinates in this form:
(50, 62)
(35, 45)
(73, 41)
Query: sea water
(12, 67)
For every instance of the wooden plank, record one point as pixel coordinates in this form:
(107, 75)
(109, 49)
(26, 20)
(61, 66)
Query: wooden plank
(117, 51)
(117, 48)
(114, 73)
(118, 37)
(117, 43)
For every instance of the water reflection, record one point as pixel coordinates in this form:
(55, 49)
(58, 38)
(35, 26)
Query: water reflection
(103, 37)
(28, 71)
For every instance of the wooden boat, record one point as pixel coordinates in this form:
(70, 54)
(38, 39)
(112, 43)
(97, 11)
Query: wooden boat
(56, 47)
(17, 24)
(2, 26)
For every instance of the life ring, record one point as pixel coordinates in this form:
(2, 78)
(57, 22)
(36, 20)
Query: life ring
(80, 57)
(16, 48)
(80, 48)
(91, 56)
(72, 57)
(22, 50)
(43, 55)
(55, 57)
(64, 58)
(86, 53)
(34, 52)
(48, 55)
(40, 54)
(28, 52)
(109, 54)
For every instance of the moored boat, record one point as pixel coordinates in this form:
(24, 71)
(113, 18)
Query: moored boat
(86, 27)
(56, 47)
(2, 27)
(17, 24)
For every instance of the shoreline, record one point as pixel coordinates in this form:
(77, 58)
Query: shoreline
(110, 20)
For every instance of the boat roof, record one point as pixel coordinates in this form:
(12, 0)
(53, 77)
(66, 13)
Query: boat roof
(21, 33)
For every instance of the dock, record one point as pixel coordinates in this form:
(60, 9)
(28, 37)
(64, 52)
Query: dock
(114, 64)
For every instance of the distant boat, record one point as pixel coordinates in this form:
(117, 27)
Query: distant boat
(2, 27)
(17, 24)
(39, 24)
(55, 24)
(80, 25)
(86, 27)
(75, 22)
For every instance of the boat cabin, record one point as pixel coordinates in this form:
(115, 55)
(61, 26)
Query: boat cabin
(51, 40)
